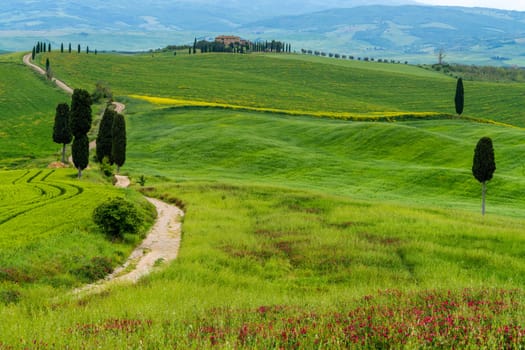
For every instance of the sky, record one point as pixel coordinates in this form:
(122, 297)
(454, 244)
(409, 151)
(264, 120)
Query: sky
(518, 5)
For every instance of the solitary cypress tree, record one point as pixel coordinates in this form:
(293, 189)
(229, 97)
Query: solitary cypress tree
(62, 48)
(87, 49)
(105, 136)
(78, 48)
(460, 97)
(80, 151)
(118, 149)
(69, 47)
(483, 166)
(62, 128)
(33, 54)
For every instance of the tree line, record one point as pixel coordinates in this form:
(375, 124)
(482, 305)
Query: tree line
(350, 57)
(42, 47)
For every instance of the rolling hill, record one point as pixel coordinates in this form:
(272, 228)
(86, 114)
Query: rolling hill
(300, 231)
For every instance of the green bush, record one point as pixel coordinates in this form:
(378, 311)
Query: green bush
(97, 268)
(116, 217)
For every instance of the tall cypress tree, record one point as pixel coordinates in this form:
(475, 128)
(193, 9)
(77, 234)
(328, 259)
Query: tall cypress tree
(80, 152)
(62, 128)
(460, 97)
(49, 47)
(118, 149)
(78, 48)
(105, 136)
(62, 48)
(33, 54)
(80, 126)
(483, 165)
(69, 47)
(81, 112)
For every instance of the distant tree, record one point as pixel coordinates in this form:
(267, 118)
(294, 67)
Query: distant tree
(62, 128)
(118, 149)
(80, 125)
(189, 50)
(484, 165)
(105, 135)
(49, 47)
(441, 56)
(78, 48)
(195, 46)
(33, 54)
(80, 152)
(62, 48)
(69, 48)
(49, 75)
(96, 51)
(87, 49)
(460, 97)
(43, 45)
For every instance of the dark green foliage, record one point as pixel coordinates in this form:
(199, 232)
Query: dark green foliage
(62, 128)
(97, 268)
(460, 98)
(116, 217)
(78, 48)
(195, 46)
(33, 54)
(69, 49)
(87, 49)
(9, 296)
(484, 164)
(118, 149)
(49, 47)
(81, 112)
(105, 135)
(48, 67)
(62, 47)
(80, 151)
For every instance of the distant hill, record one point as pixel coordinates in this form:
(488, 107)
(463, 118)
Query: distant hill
(387, 29)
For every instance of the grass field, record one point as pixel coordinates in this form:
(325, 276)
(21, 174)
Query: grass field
(27, 111)
(299, 232)
(47, 238)
(288, 82)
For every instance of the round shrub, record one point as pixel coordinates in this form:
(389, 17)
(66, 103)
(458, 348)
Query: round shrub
(116, 217)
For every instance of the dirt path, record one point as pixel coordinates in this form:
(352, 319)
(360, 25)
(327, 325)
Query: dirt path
(161, 245)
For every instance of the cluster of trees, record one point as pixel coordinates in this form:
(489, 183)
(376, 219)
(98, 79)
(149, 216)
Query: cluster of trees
(73, 124)
(482, 73)
(204, 46)
(350, 57)
(111, 139)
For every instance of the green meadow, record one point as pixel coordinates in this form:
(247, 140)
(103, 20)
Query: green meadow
(300, 231)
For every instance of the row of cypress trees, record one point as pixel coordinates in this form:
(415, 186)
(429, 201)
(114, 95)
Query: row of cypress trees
(74, 124)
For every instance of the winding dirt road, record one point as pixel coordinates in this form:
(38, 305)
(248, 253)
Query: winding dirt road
(162, 243)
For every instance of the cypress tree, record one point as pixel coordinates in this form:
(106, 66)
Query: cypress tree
(460, 97)
(62, 128)
(118, 149)
(62, 48)
(80, 151)
(195, 46)
(80, 125)
(33, 54)
(69, 47)
(80, 112)
(483, 166)
(87, 50)
(105, 136)
(43, 47)
(48, 69)
(49, 47)
(78, 48)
